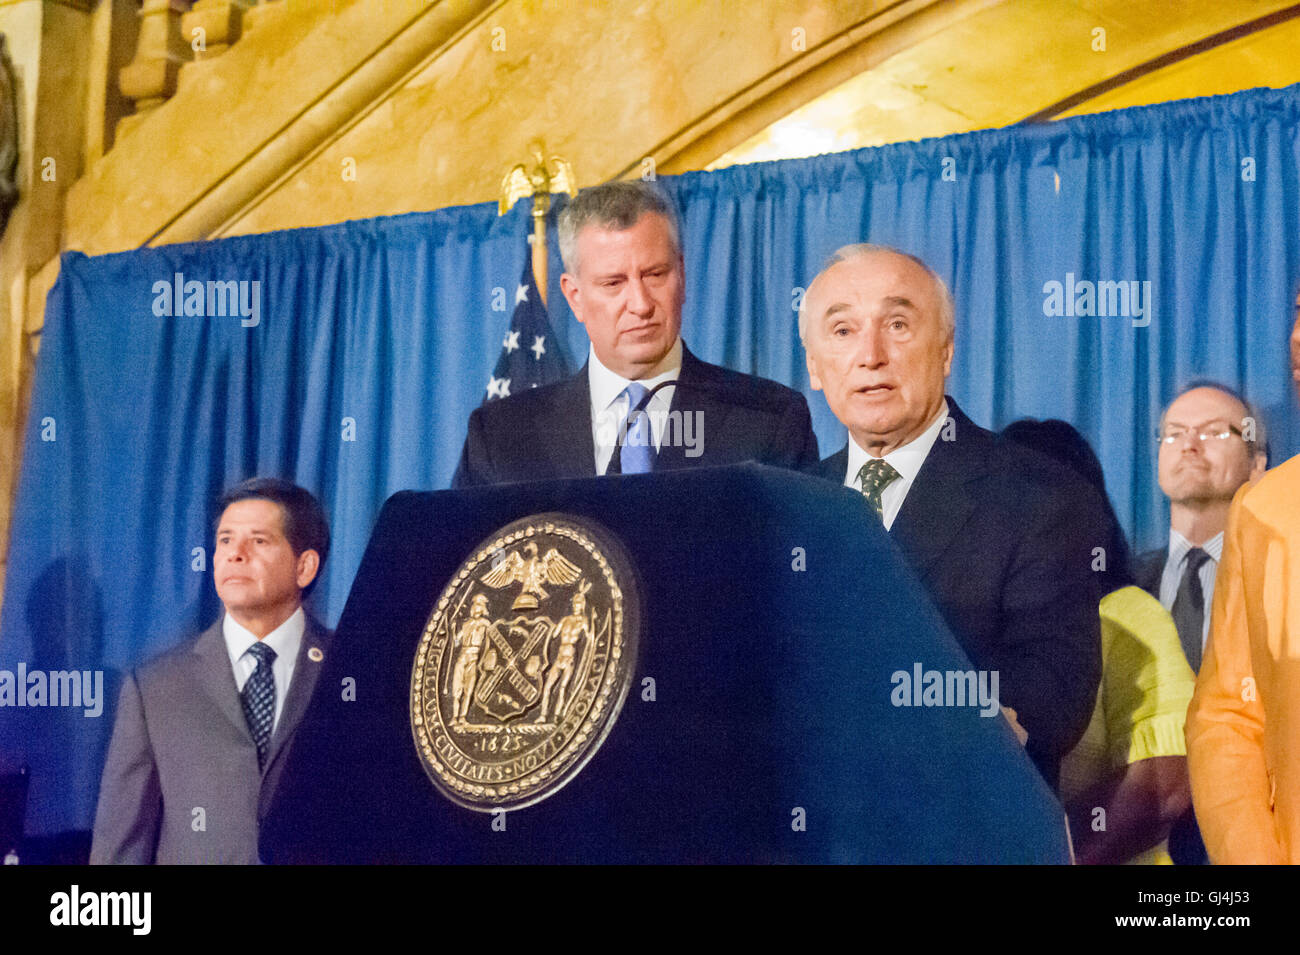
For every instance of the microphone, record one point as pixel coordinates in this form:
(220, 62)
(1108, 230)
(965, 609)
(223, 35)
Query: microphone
(616, 459)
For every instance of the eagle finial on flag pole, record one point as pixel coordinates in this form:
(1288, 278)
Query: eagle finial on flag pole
(540, 182)
(532, 355)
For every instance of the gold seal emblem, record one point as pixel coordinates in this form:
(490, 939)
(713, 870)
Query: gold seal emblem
(525, 662)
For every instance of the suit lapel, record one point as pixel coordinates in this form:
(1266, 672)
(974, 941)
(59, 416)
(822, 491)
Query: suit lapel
(1150, 567)
(565, 432)
(836, 466)
(305, 671)
(691, 395)
(215, 676)
(939, 502)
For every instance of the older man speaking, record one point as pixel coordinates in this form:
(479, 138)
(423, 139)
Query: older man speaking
(1004, 539)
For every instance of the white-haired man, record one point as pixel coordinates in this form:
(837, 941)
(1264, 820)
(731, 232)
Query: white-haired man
(1001, 536)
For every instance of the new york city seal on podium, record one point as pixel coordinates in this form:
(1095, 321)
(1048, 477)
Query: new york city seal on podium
(525, 662)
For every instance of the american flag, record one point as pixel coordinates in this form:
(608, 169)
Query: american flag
(530, 354)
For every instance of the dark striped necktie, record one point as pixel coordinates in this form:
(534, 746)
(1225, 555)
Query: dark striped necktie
(258, 697)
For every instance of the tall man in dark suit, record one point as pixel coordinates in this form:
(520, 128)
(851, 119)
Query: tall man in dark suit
(1212, 441)
(643, 402)
(202, 731)
(1003, 538)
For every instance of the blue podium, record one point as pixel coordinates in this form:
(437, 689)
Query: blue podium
(795, 696)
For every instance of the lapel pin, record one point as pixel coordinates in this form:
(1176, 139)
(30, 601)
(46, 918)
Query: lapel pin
(315, 655)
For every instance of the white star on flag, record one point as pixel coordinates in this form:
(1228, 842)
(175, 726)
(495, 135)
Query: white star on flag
(528, 330)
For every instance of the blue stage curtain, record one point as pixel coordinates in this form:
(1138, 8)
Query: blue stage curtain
(376, 339)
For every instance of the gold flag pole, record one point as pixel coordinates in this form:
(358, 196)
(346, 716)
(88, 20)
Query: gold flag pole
(541, 182)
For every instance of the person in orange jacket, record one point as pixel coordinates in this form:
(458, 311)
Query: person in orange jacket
(1243, 742)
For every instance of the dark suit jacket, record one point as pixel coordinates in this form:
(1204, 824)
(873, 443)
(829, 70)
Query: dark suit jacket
(1149, 568)
(180, 743)
(1002, 538)
(545, 433)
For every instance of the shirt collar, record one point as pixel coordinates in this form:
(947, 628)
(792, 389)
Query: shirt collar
(1180, 545)
(606, 386)
(284, 639)
(906, 460)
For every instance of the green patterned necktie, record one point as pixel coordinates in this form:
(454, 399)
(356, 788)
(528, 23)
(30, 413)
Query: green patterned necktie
(876, 475)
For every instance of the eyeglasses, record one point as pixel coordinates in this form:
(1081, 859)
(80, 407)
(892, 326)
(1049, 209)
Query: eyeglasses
(1209, 432)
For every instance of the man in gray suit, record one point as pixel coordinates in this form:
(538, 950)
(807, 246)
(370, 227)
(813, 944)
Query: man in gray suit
(202, 731)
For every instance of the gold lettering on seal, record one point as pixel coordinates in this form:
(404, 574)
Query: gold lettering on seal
(524, 663)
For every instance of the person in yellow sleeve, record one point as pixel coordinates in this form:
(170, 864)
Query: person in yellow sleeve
(1124, 784)
(1243, 747)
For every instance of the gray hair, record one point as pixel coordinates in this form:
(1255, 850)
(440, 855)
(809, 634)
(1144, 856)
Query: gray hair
(947, 310)
(614, 205)
(1259, 442)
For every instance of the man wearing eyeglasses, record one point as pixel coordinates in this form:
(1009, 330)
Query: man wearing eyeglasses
(1211, 443)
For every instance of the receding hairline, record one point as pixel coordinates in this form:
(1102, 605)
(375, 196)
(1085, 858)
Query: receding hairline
(615, 206)
(674, 244)
(1260, 444)
(1236, 399)
(847, 254)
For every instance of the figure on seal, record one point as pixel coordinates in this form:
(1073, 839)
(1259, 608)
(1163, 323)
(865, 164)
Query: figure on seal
(470, 638)
(570, 630)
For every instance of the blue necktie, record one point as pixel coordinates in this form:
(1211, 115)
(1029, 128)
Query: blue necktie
(258, 697)
(637, 455)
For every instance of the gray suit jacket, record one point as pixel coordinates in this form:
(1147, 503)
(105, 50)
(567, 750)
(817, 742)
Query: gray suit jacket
(181, 744)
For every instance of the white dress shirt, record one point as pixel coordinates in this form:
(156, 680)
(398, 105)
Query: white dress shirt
(284, 640)
(906, 460)
(1176, 563)
(610, 406)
